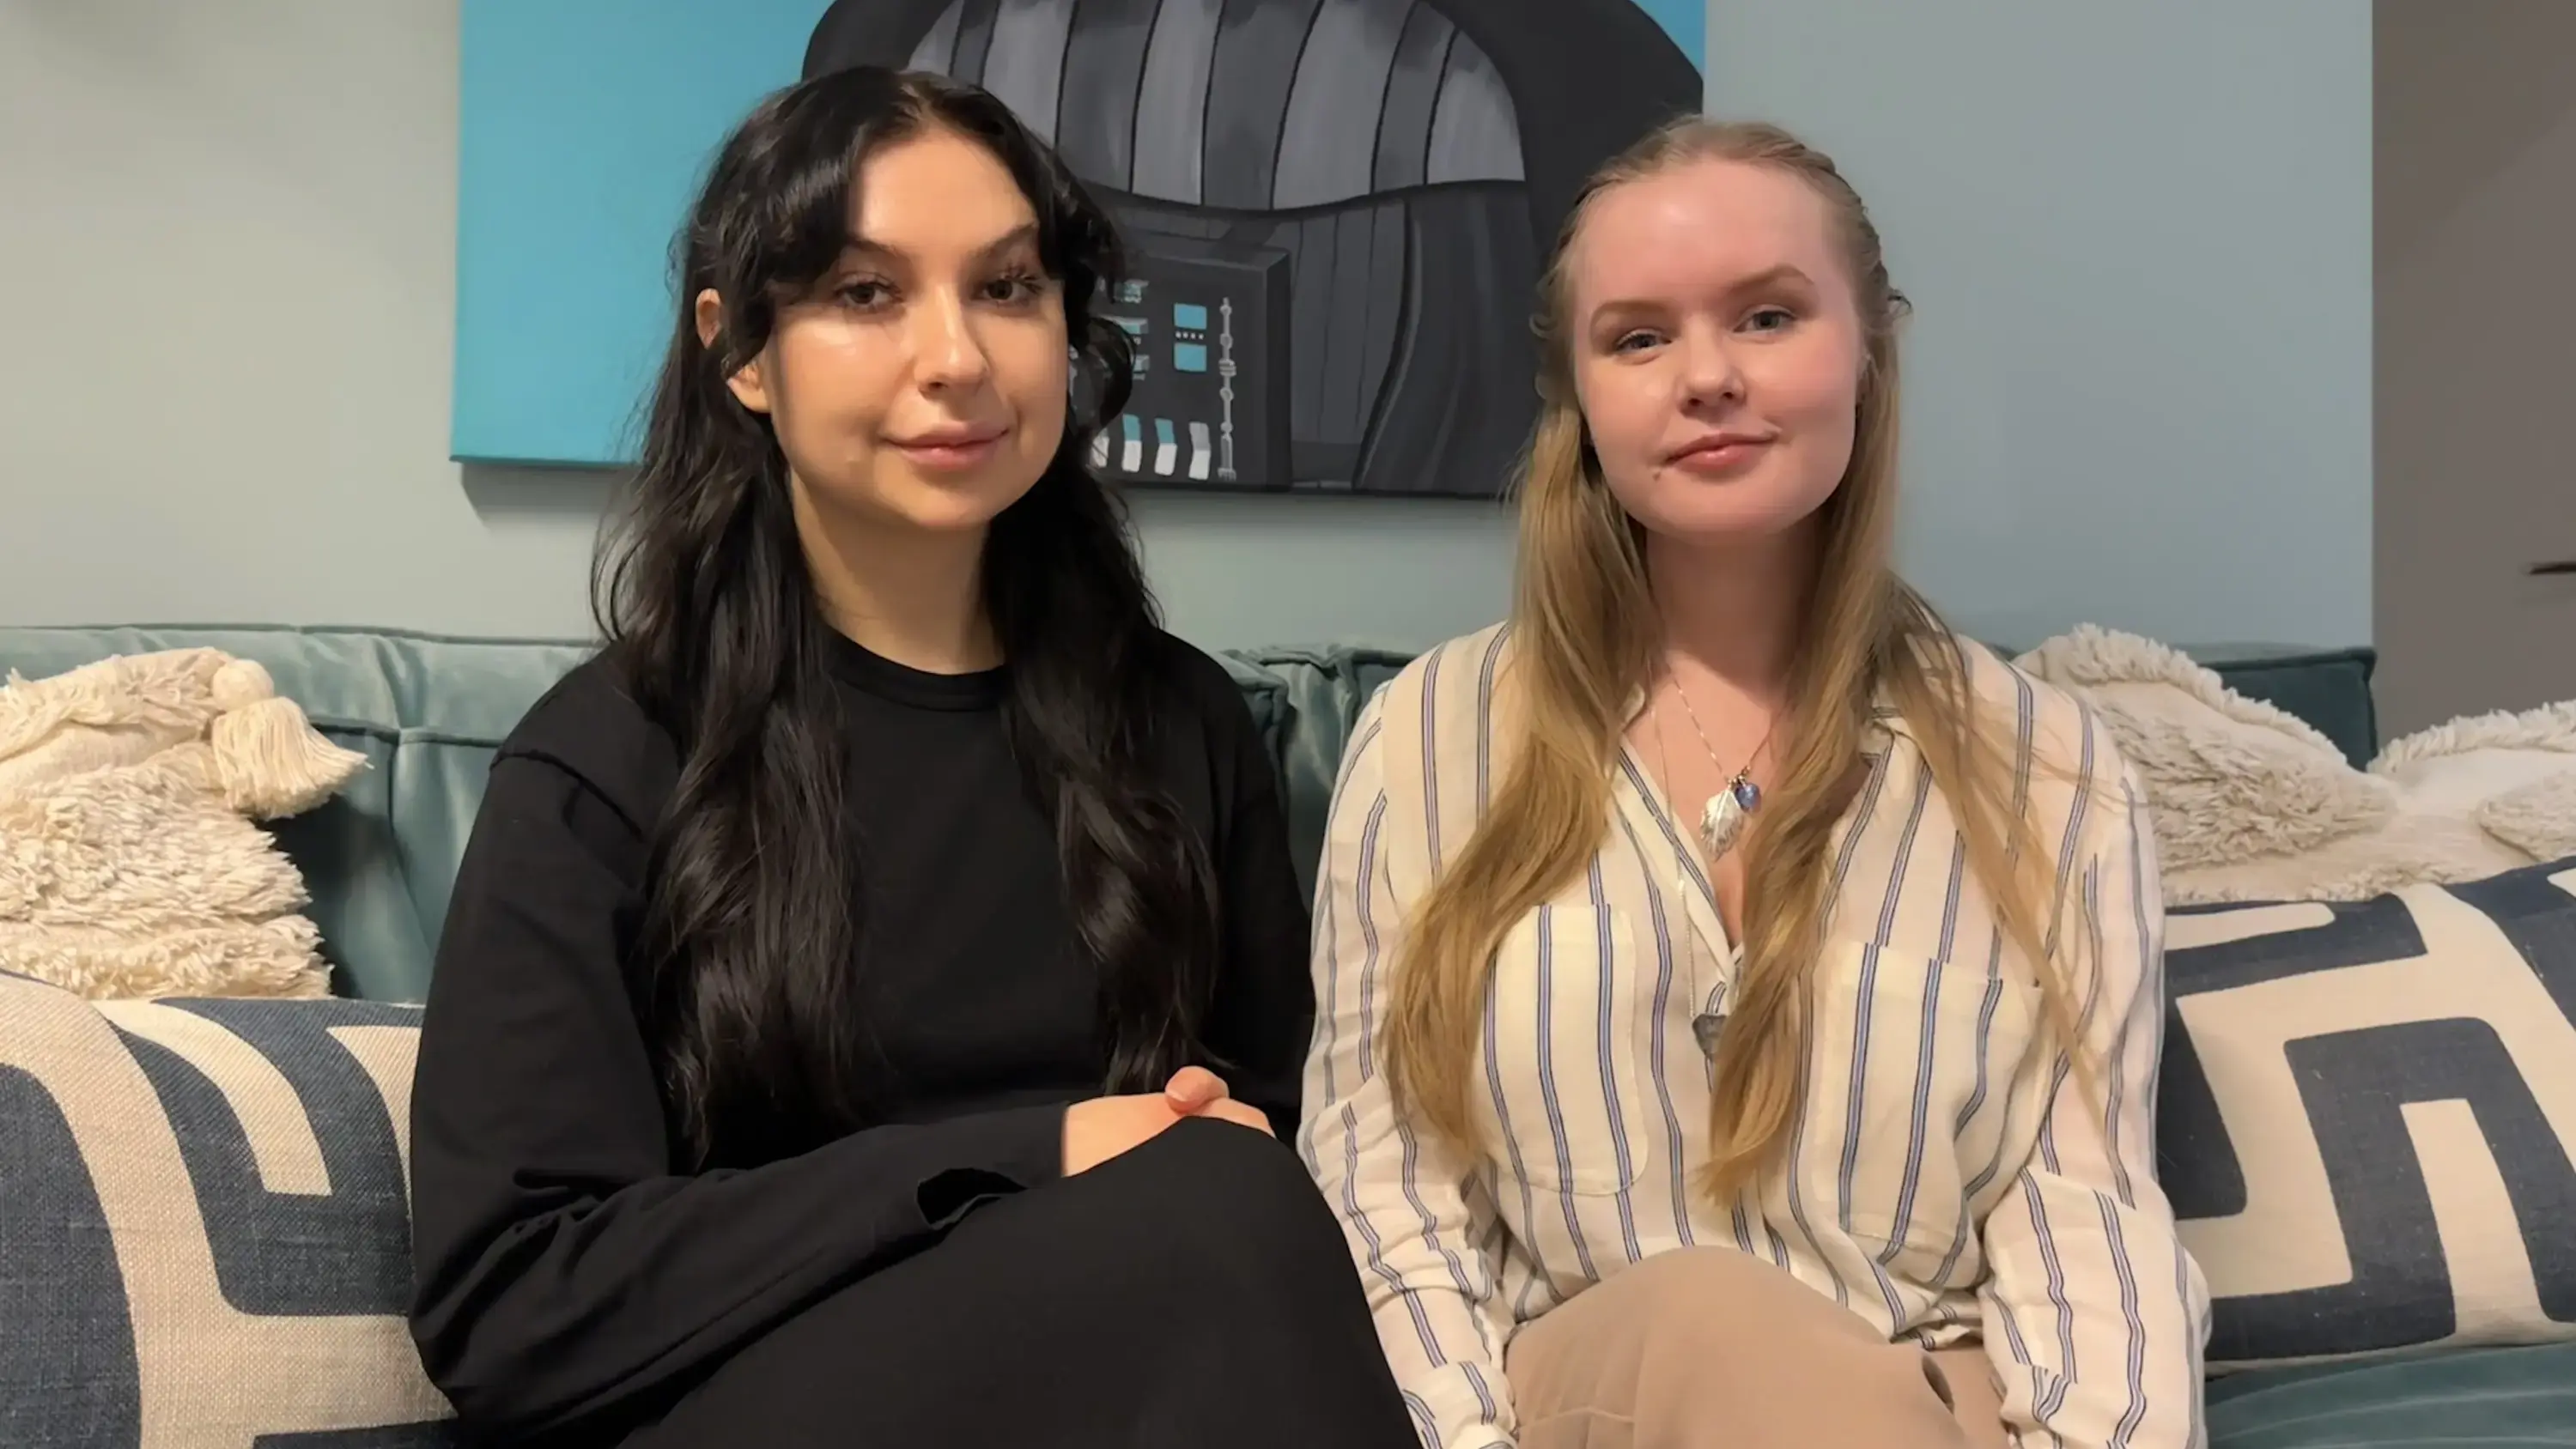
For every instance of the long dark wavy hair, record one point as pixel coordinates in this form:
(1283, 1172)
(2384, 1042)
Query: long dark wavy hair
(751, 924)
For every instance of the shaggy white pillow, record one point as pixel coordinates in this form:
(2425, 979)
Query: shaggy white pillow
(2538, 819)
(130, 865)
(2251, 803)
(2513, 773)
(2228, 778)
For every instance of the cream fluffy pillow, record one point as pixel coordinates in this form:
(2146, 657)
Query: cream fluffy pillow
(2513, 773)
(2228, 778)
(2251, 803)
(130, 865)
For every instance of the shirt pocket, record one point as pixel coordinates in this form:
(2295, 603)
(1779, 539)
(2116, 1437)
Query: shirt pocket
(1568, 1011)
(1915, 1058)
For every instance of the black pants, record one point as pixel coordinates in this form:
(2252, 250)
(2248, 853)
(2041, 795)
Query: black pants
(1193, 1292)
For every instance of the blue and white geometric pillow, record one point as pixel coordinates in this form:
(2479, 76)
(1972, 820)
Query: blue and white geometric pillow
(2368, 1116)
(204, 1227)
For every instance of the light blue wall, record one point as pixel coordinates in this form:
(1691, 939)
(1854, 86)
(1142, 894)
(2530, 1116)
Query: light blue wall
(2140, 377)
(2138, 238)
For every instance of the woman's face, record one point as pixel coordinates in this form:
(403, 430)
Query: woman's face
(1717, 349)
(924, 381)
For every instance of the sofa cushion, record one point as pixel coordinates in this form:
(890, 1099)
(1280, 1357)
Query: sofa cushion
(1306, 701)
(2367, 1116)
(206, 1238)
(2498, 1398)
(427, 710)
(2328, 688)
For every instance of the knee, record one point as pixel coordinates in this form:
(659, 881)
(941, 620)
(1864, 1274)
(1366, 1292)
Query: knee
(1726, 1343)
(1221, 1166)
(1217, 1141)
(1177, 1220)
(1254, 1189)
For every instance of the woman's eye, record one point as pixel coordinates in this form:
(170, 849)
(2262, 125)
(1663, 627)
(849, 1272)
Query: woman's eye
(1632, 341)
(865, 294)
(1770, 319)
(1017, 287)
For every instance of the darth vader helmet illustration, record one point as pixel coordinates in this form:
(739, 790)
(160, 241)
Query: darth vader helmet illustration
(1335, 210)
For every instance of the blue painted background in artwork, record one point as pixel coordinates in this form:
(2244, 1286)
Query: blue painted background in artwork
(584, 125)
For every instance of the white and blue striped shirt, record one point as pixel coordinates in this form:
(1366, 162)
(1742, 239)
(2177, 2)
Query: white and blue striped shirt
(1948, 1180)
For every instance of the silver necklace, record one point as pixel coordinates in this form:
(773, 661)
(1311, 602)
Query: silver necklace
(1723, 818)
(1721, 821)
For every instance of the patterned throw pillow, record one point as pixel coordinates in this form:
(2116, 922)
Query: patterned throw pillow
(204, 1236)
(2368, 1111)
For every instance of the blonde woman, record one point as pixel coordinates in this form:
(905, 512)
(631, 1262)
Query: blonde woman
(1739, 996)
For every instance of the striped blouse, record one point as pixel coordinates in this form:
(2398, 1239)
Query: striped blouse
(1949, 1179)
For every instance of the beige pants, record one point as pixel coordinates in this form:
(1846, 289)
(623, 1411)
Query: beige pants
(1707, 1347)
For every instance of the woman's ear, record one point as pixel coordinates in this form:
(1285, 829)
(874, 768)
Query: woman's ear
(750, 387)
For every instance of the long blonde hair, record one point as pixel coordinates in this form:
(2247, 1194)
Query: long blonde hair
(1585, 640)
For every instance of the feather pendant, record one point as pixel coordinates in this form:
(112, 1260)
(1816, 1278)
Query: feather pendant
(1723, 819)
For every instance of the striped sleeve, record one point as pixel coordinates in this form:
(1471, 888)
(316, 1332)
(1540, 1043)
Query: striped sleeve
(1400, 1195)
(2097, 1317)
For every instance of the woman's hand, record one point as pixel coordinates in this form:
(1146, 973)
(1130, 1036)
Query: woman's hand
(1103, 1127)
(1198, 1092)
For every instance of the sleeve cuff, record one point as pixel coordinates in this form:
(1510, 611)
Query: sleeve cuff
(994, 1155)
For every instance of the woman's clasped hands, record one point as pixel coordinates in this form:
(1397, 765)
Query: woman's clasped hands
(1103, 1127)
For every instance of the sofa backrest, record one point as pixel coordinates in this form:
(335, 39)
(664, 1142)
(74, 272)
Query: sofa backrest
(428, 711)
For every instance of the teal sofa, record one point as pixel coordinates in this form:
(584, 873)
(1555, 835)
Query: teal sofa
(428, 710)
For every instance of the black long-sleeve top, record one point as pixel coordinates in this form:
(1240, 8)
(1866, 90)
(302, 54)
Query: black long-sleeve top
(567, 1272)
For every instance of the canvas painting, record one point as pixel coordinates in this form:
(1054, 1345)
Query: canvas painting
(1335, 210)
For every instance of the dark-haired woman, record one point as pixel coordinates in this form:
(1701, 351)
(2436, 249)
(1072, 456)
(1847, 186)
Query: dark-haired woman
(876, 983)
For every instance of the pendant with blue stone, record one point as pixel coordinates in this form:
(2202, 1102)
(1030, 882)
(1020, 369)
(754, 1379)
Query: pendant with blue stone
(1723, 819)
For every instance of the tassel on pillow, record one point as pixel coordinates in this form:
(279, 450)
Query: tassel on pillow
(271, 760)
